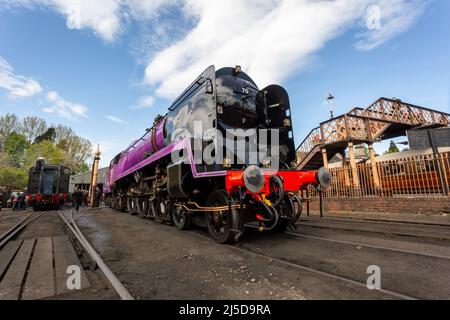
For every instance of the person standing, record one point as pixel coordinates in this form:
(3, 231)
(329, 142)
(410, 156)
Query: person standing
(21, 201)
(98, 197)
(14, 201)
(1, 199)
(77, 197)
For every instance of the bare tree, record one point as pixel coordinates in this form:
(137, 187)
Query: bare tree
(79, 150)
(63, 133)
(8, 124)
(32, 127)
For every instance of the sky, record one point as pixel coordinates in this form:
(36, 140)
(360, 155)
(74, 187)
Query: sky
(106, 68)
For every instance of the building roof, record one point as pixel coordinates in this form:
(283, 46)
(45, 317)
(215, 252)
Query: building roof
(85, 178)
(395, 156)
(409, 154)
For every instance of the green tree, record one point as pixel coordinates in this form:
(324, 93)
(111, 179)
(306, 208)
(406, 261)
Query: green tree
(5, 160)
(13, 178)
(392, 148)
(15, 146)
(50, 152)
(49, 135)
(8, 124)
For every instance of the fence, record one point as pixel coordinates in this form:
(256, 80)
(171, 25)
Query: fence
(425, 175)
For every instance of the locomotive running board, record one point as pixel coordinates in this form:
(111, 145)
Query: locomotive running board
(208, 209)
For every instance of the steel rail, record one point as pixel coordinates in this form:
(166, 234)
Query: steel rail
(312, 270)
(115, 282)
(353, 228)
(378, 221)
(369, 246)
(7, 215)
(14, 227)
(18, 229)
(78, 237)
(361, 244)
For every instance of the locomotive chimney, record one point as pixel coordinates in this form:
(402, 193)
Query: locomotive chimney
(237, 69)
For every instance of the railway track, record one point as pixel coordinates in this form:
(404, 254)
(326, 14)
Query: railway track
(341, 257)
(378, 221)
(407, 229)
(14, 230)
(110, 276)
(362, 244)
(366, 245)
(8, 214)
(272, 259)
(73, 228)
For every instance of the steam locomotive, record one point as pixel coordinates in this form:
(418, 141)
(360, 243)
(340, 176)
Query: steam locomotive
(163, 175)
(48, 185)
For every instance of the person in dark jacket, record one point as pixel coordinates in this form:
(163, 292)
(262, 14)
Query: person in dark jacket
(21, 201)
(77, 198)
(98, 197)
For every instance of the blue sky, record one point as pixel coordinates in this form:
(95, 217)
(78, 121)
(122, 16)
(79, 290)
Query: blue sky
(106, 68)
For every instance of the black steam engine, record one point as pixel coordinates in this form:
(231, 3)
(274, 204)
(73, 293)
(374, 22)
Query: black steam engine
(48, 185)
(226, 195)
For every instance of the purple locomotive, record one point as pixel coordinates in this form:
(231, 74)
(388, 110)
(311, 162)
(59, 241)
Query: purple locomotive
(163, 175)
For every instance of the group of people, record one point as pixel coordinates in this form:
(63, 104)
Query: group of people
(18, 202)
(80, 198)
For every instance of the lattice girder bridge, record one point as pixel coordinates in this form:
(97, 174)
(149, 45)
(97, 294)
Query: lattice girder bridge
(384, 119)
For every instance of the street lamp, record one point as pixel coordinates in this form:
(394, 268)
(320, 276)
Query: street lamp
(330, 99)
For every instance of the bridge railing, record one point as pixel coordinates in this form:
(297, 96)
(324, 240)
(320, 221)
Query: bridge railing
(311, 141)
(366, 125)
(400, 112)
(416, 176)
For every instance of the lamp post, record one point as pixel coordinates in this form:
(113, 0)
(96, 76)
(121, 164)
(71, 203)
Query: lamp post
(330, 99)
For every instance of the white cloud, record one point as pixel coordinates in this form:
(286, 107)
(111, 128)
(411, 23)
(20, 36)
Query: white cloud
(270, 39)
(144, 102)
(105, 18)
(17, 86)
(115, 119)
(396, 18)
(63, 108)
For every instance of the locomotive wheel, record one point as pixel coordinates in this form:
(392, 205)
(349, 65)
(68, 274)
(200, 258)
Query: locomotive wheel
(220, 224)
(131, 205)
(277, 187)
(142, 207)
(288, 216)
(160, 210)
(181, 219)
(287, 212)
(122, 204)
(282, 226)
